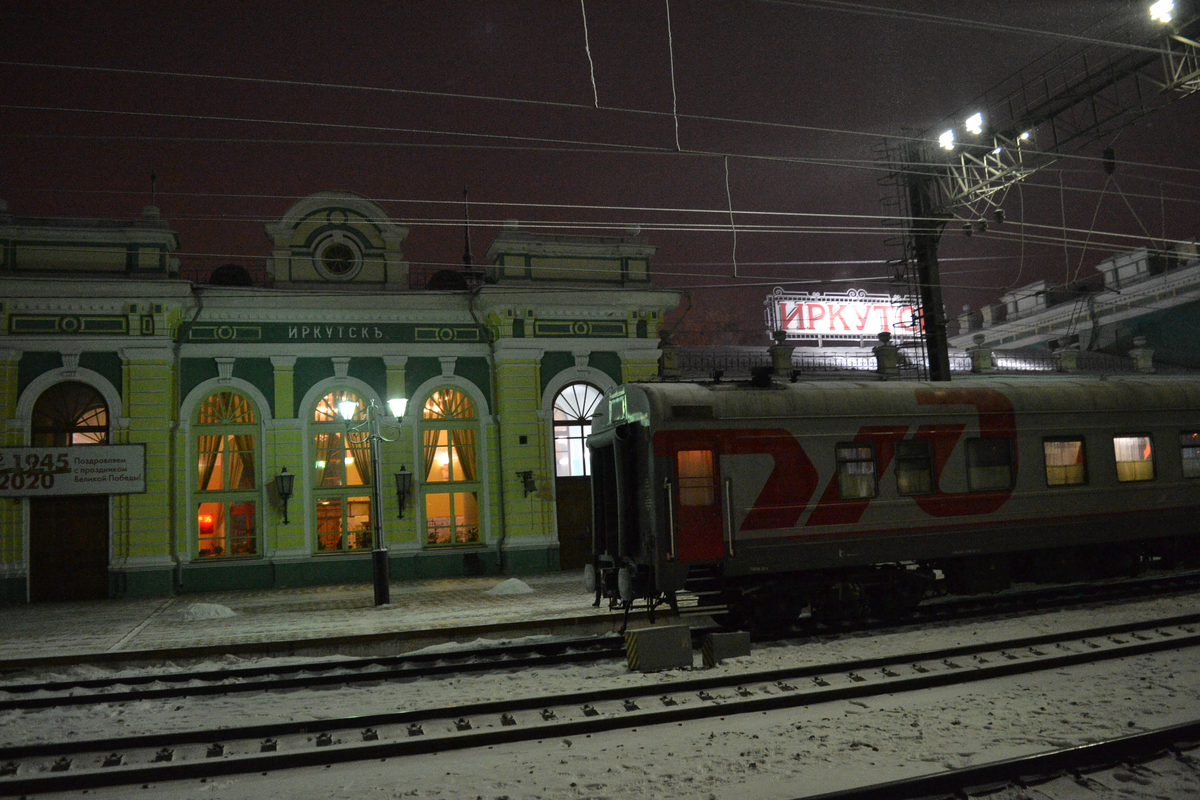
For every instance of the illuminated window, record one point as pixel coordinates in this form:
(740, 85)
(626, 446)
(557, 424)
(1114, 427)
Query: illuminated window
(226, 485)
(341, 477)
(914, 468)
(573, 409)
(69, 413)
(989, 464)
(451, 470)
(1065, 463)
(1135, 458)
(855, 470)
(1189, 449)
(697, 477)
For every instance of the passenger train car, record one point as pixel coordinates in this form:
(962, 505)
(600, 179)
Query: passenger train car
(848, 498)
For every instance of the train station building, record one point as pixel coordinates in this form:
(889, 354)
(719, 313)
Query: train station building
(1142, 302)
(165, 436)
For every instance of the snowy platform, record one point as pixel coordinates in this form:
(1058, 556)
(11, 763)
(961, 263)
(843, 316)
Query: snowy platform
(299, 621)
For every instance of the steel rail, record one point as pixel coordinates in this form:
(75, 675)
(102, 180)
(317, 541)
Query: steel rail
(331, 673)
(509, 721)
(1031, 769)
(232, 680)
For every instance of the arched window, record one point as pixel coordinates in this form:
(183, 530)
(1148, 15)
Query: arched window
(69, 413)
(451, 469)
(226, 476)
(573, 409)
(341, 478)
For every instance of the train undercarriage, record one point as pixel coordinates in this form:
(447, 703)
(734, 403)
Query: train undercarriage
(765, 604)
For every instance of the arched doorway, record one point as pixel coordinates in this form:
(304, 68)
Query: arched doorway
(573, 409)
(68, 536)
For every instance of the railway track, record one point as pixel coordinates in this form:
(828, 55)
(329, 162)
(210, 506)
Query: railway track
(309, 675)
(63, 766)
(154, 685)
(1086, 767)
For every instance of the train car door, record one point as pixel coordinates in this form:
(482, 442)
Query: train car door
(699, 530)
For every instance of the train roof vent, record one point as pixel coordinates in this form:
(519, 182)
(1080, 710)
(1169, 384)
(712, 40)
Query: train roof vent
(692, 412)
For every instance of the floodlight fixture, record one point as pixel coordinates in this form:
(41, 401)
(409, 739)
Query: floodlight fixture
(998, 150)
(1161, 11)
(1025, 136)
(946, 140)
(974, 123)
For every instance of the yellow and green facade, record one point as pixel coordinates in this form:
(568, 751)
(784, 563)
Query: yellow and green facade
(224, 387)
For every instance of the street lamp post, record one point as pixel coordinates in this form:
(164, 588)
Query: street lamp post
(370, 431)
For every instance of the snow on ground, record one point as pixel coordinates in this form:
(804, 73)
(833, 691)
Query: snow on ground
(197, 611)
(511, 586)
(780, 754)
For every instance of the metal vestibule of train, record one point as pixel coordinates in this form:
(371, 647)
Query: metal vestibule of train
(846, 496)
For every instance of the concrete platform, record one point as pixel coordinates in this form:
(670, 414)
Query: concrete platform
(301, 621)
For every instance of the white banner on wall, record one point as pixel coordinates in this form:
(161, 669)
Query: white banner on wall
(83, 469)
(853, 315)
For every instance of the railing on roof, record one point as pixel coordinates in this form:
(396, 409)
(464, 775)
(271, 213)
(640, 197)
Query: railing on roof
(742, 362)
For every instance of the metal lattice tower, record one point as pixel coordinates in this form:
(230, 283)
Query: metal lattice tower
(1073, 96)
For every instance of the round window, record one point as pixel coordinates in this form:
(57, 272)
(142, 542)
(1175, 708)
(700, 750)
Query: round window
(337, 259)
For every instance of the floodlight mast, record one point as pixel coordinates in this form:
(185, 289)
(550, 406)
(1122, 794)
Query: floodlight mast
(979, 173)
(925, 228)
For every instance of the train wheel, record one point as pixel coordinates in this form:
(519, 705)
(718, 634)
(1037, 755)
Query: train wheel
(625, 586)
(842, 603)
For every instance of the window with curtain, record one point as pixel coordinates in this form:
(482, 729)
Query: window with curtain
(1065, 462)
(226, 488)
(573, 409)
(1189, 451)
(1135, 458)
(449, 435)
(914, 467)
(341, 477)
(989, 464)
(855, 470)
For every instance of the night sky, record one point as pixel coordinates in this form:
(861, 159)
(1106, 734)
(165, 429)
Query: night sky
(242, 108)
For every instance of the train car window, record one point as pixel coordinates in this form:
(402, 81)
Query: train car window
(1189, 449)
(914, 468)
(989, 464)
(1065, 462)
(855, 470)
(697, 478)
(1135, 458)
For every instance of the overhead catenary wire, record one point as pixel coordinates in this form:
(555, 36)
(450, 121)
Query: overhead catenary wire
(625, 149)
(587, 49)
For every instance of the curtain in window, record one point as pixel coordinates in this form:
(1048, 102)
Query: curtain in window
(431, 442)
(362, 460)
(464, 448)
(241, 464)
(209, 447)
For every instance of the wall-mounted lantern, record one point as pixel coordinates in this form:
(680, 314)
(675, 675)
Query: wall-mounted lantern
(527, 483)
(403, 487)
(284, 482)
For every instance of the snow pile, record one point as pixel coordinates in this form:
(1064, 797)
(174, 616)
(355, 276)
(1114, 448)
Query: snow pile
(511, 586)
(207, 611)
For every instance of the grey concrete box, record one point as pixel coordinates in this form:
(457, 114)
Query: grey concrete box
(654, 649)
(720, 646)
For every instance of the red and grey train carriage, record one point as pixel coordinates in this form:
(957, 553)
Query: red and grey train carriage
(839, 496)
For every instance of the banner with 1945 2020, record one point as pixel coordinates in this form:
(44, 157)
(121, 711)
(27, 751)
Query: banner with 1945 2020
(83, 469)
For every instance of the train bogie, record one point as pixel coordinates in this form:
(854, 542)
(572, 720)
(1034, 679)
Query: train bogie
(856, 495)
